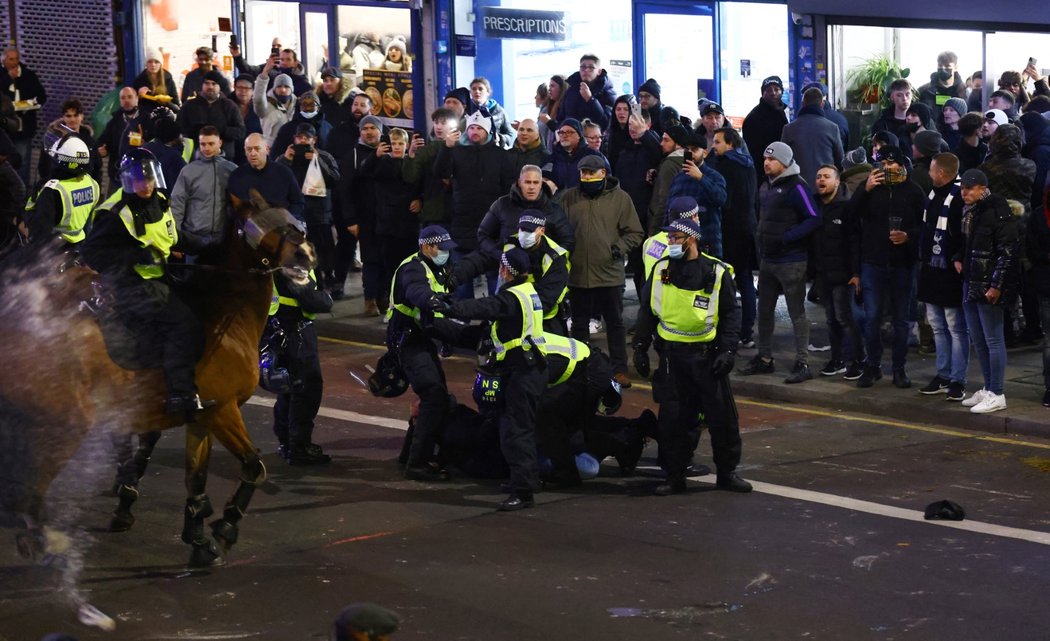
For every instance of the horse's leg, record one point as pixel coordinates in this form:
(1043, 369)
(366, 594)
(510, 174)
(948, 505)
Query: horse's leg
(132, 465)
(198, 506)
(227, 425)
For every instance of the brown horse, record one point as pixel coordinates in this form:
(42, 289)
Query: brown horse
(61, 381)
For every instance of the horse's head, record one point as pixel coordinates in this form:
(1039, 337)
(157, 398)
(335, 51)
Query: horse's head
(278, 239)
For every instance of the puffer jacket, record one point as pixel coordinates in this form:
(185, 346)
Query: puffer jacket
(480, 174)
(991, 252)
(1010, 176)
(835, 239)
(501, 221)
(788, 218)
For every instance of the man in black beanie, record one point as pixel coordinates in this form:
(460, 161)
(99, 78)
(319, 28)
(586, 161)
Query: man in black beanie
(765, 123)
(649, 99)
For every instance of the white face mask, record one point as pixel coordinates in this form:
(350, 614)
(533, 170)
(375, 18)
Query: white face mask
(526, 238)
(675, 251)
(441, 258)
(309, 114)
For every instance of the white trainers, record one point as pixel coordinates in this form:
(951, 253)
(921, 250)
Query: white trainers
(977, 397)
(991, 403)
(595, 326)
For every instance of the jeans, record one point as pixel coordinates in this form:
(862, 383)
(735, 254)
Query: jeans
(875, 280)
(838, 312)
(745, 285)
(587, 303)
(24, 147)
(951, 338)
(1044, 316)
(986, 332)
(788, 279)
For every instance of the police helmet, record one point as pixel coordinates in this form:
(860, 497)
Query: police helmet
(273, 378)
(67, 149)
(389, 379)
(487, 392)
(138, 167)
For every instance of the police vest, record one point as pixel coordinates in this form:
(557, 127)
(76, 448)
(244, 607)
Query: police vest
(572, 350)
(408, 310)
(276, 300)
(187, 150)
(545, 265)
(79, 196)
(654, 249)
(687, 316)
(158, 237)
(531, 323)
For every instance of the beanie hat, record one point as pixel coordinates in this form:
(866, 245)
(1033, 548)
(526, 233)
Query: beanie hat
(397, 43)
(650, 87)
(958, 104)
(856, 157)
(166, 130)
(214, 76)
(886, 138)
(679, 134)
(462, 94)
(922, 111)
(283, 80)
(482, 121)
(928, 142)
(773, 80)
(152, 53)
(781, 152)
(371, 120)
(575, 124)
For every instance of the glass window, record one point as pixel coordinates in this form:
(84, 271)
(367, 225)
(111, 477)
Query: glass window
(753, 43)
(1011, 51)
(265, 21)
(176, 28)
(376, 53)
(677, 63)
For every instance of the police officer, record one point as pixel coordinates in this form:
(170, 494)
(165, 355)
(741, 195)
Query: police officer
(63, 205)
(655, 247)
(519, 350)
(293, 309)
(414, 326)
(689, 301)
(129, 245)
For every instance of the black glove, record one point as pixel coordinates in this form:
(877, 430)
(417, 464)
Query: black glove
(723, 364)
(436, 305)
(641, 362)
(617, 253)
(451, 282)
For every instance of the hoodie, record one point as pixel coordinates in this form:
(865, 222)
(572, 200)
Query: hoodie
(272, 112)
(286, 134)
(1009, 174)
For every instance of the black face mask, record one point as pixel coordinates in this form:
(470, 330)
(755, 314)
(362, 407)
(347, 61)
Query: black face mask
(944, 75)
(592, 188)
(911, 127)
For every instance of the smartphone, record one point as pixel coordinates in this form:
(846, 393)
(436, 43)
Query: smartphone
(688, 156)
(1032, 62)
(384, 139)
(301, 150)
(275, 51)
(233, 40)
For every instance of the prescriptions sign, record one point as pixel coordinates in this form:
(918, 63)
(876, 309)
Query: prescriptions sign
(523, 24)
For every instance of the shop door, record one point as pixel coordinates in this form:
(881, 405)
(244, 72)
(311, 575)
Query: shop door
(318, 39)
(677, 48)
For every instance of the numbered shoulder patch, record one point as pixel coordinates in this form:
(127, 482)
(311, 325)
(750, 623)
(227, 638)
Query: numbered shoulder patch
(701, 302)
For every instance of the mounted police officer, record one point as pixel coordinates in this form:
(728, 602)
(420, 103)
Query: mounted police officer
(63, 204)
(414, 326)
(129, 245)
(293, 309)
(519, 350)
(689, 301)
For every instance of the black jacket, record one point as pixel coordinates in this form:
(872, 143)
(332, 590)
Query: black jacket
(317, 210)
(834, 241)
(223, 114)
(311, 299)
(788, 218)
(357, 195)
(480, 174)
(991, 254)
(763, 125)
(110, 249)
(502, 307)
(411, 288)
(633, 163)
(500, 223)
(394, 195)
(873, 210)
(1010, 176)
(940, 242)
(549, 286)
(598, 108)
(28, 86)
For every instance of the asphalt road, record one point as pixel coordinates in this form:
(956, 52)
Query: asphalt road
(831, 545)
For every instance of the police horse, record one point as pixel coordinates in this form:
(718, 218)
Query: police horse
(61, 381)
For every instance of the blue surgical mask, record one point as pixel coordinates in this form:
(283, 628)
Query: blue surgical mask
(526, 239)
(441, 258)
(675, 251)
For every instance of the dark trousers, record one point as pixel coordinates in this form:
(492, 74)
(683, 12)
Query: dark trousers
(838, 312)
(345, 251)
(588, 303)
(294, 412)
(394, 250)
(560, 414)
(740, 253)
(173, 324)
(876, 281)
(321, 238)
(419, 360)
(522, 387)
(700, 393)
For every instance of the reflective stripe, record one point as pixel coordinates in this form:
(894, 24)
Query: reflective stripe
(159, 237)
(187, 150)
(276, 300)
(545, 264)
(687, 316)
(531, 326)
(573, 350)
(79, 196)
(408, 310)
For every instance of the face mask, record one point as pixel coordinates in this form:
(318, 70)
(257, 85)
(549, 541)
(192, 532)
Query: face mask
(896, 176)
(592, 187)
(441, 258)
(526, 239)
(283, 99)
(675, 251)
(911, 127)
(944, 75)
(308, 114)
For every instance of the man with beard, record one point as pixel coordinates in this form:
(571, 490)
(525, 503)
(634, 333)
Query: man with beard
(590, 93)
(649, 101)
(123, 132)
(561, 172)
(765, 123)
(213, 108)
(528, 148)
(193, 84)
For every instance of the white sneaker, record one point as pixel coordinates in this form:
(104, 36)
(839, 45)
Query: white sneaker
(595, 326)
(977, 397)
(991, 403)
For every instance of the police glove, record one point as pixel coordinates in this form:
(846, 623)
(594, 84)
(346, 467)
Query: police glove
(723, 364)
(437, 305)
(641, 362)
(451, 282)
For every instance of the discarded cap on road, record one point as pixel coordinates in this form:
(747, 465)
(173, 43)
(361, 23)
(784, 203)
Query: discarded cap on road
(945, 511)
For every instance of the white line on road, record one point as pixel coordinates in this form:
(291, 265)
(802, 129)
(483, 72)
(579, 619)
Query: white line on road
(857, 505)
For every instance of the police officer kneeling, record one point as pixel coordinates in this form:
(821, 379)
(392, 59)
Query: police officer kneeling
(689, 301)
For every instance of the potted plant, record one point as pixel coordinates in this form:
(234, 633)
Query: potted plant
(870, 81)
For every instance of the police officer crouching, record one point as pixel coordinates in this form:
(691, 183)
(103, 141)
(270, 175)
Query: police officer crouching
(413, 328)
(292, 312)
(689, 301)
(63, 205)
(519, 351)
(129, 245)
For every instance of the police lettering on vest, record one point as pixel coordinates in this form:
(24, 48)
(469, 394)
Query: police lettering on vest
(79, 196)
(531, 326)
(687, 316)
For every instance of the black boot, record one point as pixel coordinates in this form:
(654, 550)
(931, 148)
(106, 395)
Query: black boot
(309, 454)
(517, 501)
(188, 404)
(732, 482)
(673, 485)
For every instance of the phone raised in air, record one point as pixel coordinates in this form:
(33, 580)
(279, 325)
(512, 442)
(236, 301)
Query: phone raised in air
(275, 51)
(688, 156)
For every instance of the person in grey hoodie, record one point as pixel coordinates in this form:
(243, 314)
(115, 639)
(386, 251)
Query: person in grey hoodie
(198, 199)
(273, 106)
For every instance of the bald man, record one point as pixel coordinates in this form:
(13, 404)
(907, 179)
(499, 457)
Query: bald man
(528, 148)
(274, 181)
(123, 132)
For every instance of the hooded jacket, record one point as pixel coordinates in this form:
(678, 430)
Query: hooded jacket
(272, 112)
(335, 108)
(710, 194)
(598, 108)
(617, 135)
(198, 201)
(835, 240)
(480, 174)
(501, 221)
(1010, 176)
(286, 134)
(600, 223)
(991, 253)
(1037, 149)
(632, 168)
(873, 210)
(788, 218)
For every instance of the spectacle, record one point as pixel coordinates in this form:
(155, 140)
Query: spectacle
(566, 132)
(586, 67)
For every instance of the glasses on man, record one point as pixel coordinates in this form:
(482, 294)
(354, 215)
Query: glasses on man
(567, 132)
(597, 138)
(587, 67)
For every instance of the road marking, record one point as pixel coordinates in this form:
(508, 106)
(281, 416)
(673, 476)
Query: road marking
(857, 505)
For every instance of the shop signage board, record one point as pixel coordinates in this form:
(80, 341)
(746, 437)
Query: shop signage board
(523, 24)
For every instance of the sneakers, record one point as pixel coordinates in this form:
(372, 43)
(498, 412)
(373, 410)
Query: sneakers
(732, 483)
(956, 391)
(833, 368)
(900, 379)
(594, 326)
(937, 386)
(1046, 398)
(977, 397)
(800, 373)
(747, 343)
(854, 371)
(871, 374)
(992, 403)
(757, 365)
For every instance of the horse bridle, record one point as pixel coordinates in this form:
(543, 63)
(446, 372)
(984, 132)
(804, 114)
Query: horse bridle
(272, 238)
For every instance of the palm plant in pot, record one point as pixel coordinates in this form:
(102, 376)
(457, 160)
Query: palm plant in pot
(869, 82)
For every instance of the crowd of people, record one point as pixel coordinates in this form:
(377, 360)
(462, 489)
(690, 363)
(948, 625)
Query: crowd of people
(941, 224)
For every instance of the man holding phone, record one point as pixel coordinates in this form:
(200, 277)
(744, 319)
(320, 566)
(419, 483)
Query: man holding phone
(707, 187)
(194, 82)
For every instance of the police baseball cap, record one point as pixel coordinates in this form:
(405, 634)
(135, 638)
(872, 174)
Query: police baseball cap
(684, 226)
(436, 235)
(682, 207)
(515, 260)
(531, 220)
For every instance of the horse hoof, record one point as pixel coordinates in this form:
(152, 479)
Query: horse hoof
(224, 533)
(121, 521)
(205, 555)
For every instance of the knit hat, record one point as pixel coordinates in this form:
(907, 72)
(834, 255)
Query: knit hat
(283, 80)
(482, 121)
(532, 219)
(922, 111)
(957, 104)
(462, 94)
(928, 142)
(682, 207)
(973, 177)
(670, 117)
(998, 115)
(856, 157)
(685, 226)
(772, 80)
(575, 124)
(516, 261)
(781, 152)
(650, 87)
(436, 235)
(679, 134)
(152, 53)
(166, 130)
(214, 76)
(397, 43)
(370, 120)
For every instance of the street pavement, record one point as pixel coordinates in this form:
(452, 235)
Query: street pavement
(831, 545)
